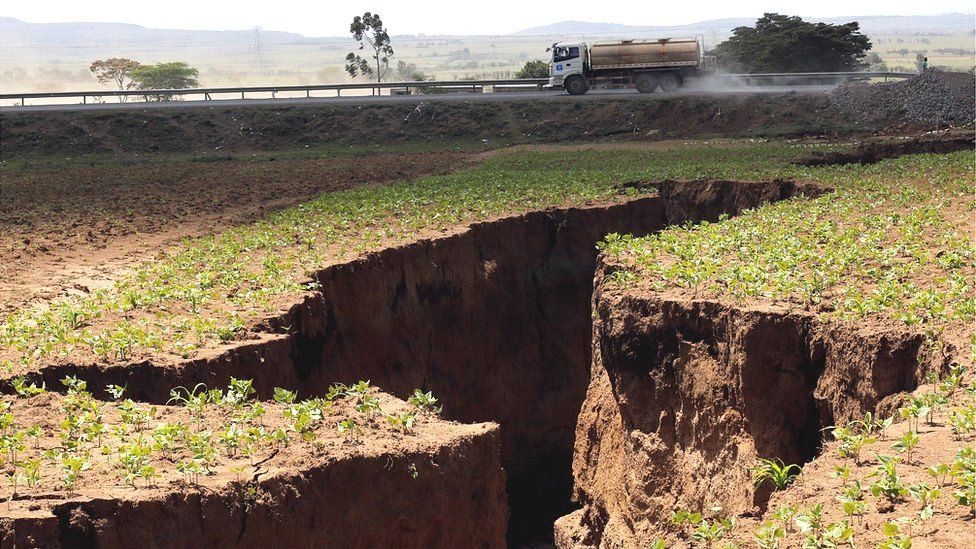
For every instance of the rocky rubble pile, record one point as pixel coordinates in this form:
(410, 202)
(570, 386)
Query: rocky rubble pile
(932, 97)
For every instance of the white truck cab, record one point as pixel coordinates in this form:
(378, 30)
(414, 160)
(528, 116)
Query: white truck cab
(567, 60)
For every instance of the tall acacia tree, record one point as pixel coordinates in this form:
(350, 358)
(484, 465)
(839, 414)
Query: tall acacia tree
(781, 43)
(368, 30)
(115, 69)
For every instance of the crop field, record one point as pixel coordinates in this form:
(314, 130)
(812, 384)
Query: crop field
(207, 291)
(70, 219)
(893, 245)
(119, 274)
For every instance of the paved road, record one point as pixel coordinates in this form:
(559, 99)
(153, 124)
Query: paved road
(596, 95)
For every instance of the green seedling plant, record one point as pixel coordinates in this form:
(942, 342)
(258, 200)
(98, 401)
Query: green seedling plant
(32, 471)
(821, 534)
(775, 472)
(135, 461)
(894, 538)
(914, 411)
(906, 444)
(852, 501)
(195, 400)
(963, 421)
(25, 390)
(842, 472)
(925, 494)
(426, 402)
(785, 514)
(704, 532)
(284, 396)
(769, 535)
(72, 466)
(940, 473)
(964, 471)
(402, 422)
(349, 429)
(889, 483)
(852, 441)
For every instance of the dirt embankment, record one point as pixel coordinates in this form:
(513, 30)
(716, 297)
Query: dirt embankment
(495, 320)
(454, 498)
(270, 128)
(685, 395)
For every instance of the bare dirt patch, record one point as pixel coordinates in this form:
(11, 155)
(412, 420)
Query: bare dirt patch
(73, 229)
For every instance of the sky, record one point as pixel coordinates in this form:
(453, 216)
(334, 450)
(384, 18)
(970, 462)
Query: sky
(325, 18)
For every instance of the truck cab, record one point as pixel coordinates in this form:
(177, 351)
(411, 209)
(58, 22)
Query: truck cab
(567, 60)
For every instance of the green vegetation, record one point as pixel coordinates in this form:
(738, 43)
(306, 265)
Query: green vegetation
(781, 43)
(775, 472)
(872, 248)
(164, 76)
(534, 69)
(209, 290)
(207, 429)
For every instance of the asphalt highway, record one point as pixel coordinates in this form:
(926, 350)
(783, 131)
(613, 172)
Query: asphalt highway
(594, 95)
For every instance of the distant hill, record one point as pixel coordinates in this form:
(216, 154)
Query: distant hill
(870, 24)
(14, 32)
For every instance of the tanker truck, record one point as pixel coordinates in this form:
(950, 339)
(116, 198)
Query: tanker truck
(644, 64)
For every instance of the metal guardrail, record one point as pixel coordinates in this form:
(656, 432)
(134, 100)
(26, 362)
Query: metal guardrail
(438, 86)
(428, 87)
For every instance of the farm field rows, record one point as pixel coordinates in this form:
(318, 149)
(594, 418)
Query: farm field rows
(74, 222)
(208, 290)
(888, 246)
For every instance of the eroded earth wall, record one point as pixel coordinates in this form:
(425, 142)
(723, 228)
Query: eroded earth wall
(686, 394)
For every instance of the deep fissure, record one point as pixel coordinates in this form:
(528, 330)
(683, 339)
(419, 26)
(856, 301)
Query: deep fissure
(495, 320)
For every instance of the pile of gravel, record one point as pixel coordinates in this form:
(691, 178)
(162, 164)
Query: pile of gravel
(932, 97)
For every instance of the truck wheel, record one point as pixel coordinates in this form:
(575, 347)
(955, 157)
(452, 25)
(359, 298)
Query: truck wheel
(646, 83)
(576, 85)
(670, 81)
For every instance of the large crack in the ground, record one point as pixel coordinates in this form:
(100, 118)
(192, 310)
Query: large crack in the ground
(870, 152)
(495, 320)
(686, 394)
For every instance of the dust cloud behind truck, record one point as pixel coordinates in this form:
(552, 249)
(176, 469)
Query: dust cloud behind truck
(644, 64)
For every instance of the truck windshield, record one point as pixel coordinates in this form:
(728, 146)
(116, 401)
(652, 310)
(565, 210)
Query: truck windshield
(562, 53)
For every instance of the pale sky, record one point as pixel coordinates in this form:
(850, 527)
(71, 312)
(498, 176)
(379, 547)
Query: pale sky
(324, 18)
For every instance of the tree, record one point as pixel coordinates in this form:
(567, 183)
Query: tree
(369, 29)
(165, 76)
(115, 69)
(408, 72)
(533, 69)
(780, 43)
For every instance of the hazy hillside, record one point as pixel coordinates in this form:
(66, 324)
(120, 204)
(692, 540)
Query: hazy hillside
(870, 24)
(16, 33)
